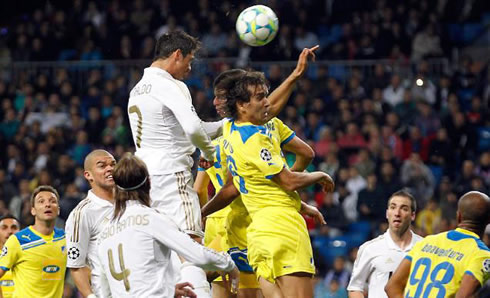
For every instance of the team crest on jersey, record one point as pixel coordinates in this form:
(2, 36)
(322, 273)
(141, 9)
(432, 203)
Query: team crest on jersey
(486, 266)
(4, 251)
(73, 253)
(265, 154)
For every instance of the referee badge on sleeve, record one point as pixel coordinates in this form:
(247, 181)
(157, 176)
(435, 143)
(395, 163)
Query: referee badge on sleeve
(265, 155)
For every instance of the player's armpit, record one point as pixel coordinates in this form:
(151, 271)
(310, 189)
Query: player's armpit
(396, 284)
(223, 198)
(469, 286)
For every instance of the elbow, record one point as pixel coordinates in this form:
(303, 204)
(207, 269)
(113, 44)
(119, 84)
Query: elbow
(309, 154)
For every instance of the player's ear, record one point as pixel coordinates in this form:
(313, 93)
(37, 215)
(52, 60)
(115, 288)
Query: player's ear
(88, 176)
(178, 54)
(33, 211)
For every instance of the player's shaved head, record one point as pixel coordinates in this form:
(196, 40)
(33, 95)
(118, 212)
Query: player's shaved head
(91, 157)
(474, 208)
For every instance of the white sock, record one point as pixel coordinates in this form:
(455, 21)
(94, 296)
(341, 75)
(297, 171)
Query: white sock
(197, 277)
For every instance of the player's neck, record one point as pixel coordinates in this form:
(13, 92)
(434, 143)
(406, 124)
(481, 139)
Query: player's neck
(402, 240)
(44, 227)
(164, 64)
(105, 194)
(472, 228)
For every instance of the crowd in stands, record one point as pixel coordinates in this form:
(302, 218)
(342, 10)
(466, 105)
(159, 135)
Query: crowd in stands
(347, 29)
(374, 132)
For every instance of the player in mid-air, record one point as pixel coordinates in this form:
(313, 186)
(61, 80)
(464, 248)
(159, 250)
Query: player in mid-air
(449, 264)
(166, 131)
(377, 259)
(279, 248)
(36, 255)
(86, 221)
(9, 225)
(135, 246)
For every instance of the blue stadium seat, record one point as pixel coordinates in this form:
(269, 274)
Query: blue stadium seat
(330, 248)
(360, 227)
(484, 138)
(437, 172)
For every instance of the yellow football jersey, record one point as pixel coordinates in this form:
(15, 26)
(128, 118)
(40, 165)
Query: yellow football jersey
(440, 261)
(37, 262)
(253, 157)
(7, 284)
(218, 173)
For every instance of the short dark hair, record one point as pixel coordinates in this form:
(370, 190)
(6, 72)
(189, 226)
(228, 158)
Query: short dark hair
(132, 183)
(8, 216)
(41, 188)
(237, 90)
(406, 194)
(175, 40)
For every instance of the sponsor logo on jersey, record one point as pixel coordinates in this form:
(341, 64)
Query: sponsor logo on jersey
(51, 269)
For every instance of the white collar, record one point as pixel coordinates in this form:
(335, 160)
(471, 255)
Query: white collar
(159, 71)
(98, 200)
(392, 245)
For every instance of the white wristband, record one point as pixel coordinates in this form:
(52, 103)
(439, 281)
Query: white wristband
(91, 296)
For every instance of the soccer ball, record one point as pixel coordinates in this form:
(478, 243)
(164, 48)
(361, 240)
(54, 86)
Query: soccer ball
(257, 25)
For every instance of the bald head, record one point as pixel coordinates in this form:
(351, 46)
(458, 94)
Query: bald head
(92, 156)
(474, 207)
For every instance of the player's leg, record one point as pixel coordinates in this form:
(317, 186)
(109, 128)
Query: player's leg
(174, 196)
(269, 289)
(297, 285)
(219, 290)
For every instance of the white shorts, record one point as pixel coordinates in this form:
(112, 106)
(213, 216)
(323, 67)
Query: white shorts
(173, 195)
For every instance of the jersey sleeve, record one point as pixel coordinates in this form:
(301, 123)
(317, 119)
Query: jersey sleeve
(262, 154)
(479, 266)
(360, 271)
(77, 232)
(10, 253)
(166, 232)
(175, 97)
(285, 133)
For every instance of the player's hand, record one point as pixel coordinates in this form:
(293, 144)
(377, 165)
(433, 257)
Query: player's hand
(184, 290)
(327, 184)
(302, 64)
(313, 212)
(205, 164)
(231, 283)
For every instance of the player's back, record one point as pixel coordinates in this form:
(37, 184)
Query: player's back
(134, 263)
(159, 137)
(439, 262)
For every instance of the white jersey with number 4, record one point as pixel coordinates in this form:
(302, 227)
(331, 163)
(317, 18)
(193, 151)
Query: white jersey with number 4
(376, 261)
(164, 124)
(135, 253)
(82, 229)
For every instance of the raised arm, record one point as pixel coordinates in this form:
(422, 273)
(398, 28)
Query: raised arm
(279, 97)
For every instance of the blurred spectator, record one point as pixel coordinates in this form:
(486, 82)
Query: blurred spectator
(333, 214)
(393, 94)
(426, 44)
(428, 219)
(331, 290)
(338, 273)
(371, 202)
(418, 178)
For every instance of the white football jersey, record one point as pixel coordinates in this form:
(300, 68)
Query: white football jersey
(376, 261)
(82, 229)
(135, 253)
(165, 125)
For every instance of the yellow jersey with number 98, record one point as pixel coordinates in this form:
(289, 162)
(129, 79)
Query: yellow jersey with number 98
(439, 262)
(253, 157)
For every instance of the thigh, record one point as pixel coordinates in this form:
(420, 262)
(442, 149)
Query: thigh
(219, 290)
(296, 285)
(173, 195)
(269, 289)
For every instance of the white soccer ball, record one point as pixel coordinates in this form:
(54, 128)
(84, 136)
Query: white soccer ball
(257, 25)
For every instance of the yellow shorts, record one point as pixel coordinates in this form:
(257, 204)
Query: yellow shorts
(247, 280)
(214, 226)
(279, 244)
(236, 229)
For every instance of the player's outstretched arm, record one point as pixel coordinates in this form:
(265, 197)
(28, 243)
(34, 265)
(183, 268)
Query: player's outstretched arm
(469, 286)
(396, 284)
(223, 198)
(201, 187)
(292, 181)
(304, 153)
(279, 97)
